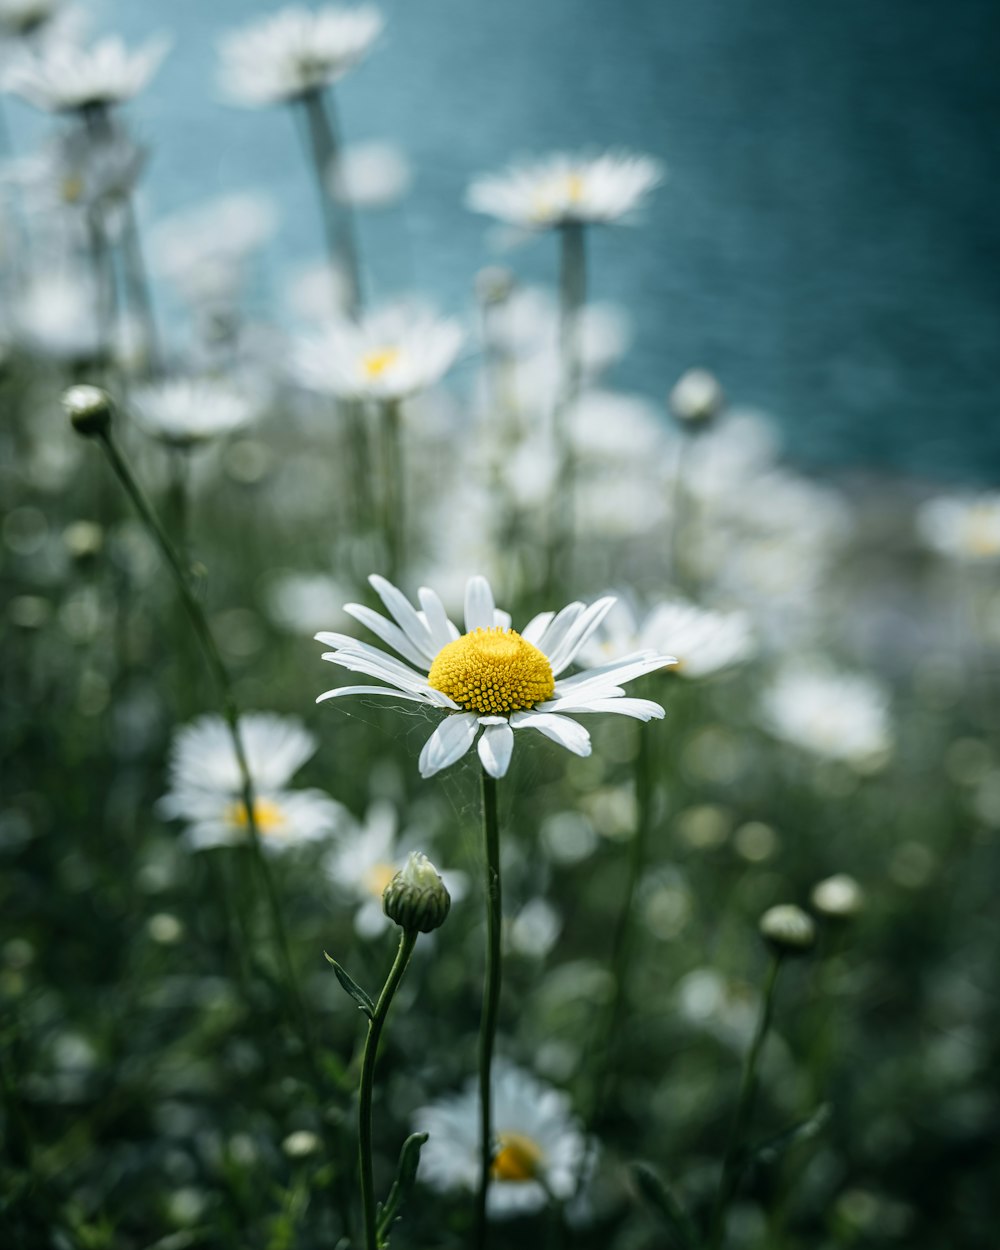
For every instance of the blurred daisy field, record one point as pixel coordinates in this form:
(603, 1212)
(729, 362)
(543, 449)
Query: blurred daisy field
(473, 776)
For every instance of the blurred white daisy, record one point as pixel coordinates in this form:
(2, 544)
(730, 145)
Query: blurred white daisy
(370, 175)
(561, 189)
(539, 1144)
(206, 787)
(704, 641)
(491, 677)
(389, 354)
(366, 859)
(295, 51)
(56, 315)
(837, 715)
(962, 529)
(65, 76)
(185, 411)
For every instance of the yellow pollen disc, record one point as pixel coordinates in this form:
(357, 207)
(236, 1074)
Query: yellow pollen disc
(375, 362)
(982, 534)
(492, 672)
(574, 188)
(268, 816)
(72, 189)
(378, 877)
(518, 1159)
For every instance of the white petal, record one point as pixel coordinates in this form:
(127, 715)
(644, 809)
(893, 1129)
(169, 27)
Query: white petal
(641, 709)
(442, 631)
(447, 743)
(495, 747)
(388, 632)
(381, 666)
(558, 627)
(559, 728)
(577, 635)
(501, 619)
(405, 615)
(479, 605)
(383, 690)
(614, 674)
(536, 627)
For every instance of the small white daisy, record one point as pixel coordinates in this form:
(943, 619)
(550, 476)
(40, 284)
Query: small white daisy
(295, 51)
(366, 859)
(370, 175)
(389, 354)
(186, 411)
(57, 316)
(539, 1144)
(837, 715)
(562, 189)
(65, 76)
(490, 677)
(967, 530)
(704, 641)
(206, 786)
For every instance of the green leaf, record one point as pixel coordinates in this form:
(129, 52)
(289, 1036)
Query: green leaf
(406, 1175)
(363, 1000)
(774, 1147)
(654, 1192)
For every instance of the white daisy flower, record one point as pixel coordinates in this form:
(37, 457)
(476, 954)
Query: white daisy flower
(295, 51)
(962, 529)
(57, 316)
(206, 787)
(370, 175)
(563, 189)
(186, 411)
(837, 715)
(540, 1146)
(389, 354)
(367, 858)
(705, 641)
(65, 76)
(490, 677)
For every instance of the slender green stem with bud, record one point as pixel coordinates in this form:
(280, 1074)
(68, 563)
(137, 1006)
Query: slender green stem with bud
(744, 1107)
(407, 941)
(199, 622)
(491, 997)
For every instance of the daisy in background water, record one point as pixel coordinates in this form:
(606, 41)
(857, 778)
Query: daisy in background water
(563, 189)
(186, 411)
(294, 52)
(66, 77)
(206, 788)
(705, 641)
(366, 859)
(966, 530)
(388, 355)
(491, 677)
(540, 1146)
(836, 715)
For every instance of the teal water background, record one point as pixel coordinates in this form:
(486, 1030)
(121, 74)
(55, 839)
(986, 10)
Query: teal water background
(828, 241)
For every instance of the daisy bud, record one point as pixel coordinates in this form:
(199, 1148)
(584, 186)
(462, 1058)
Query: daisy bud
(696, 398)
(787, 929)
(416, 897)
(83, 539)
(89, 409)
(838, 897)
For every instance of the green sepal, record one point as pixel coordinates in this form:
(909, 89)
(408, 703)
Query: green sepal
(654, 1192)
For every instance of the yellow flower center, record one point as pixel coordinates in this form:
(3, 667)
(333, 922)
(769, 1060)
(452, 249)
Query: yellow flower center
(492, 672)
(559, 191)
(267, 816)
(378, 877)
(375, 362)
(982, 533)
(518, 1159)
(574, 188)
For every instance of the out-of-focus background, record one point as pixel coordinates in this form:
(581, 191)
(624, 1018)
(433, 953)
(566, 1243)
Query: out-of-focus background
(828, 239)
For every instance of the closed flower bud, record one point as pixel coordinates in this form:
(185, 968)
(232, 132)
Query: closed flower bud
(696, 398)
(839, 897)
(787, 929)
(416, 897)
(89, 408)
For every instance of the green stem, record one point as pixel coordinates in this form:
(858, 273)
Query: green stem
(572, 295)
(138, 289)
(679, 516)
(731, 1164)
(407, 941)
(392, 486)
(491, 997)
(199, 622)
(338, 222)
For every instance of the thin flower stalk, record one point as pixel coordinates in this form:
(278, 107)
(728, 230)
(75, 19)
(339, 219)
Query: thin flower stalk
(393, 495)
(744, 1108)
(491, 996)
